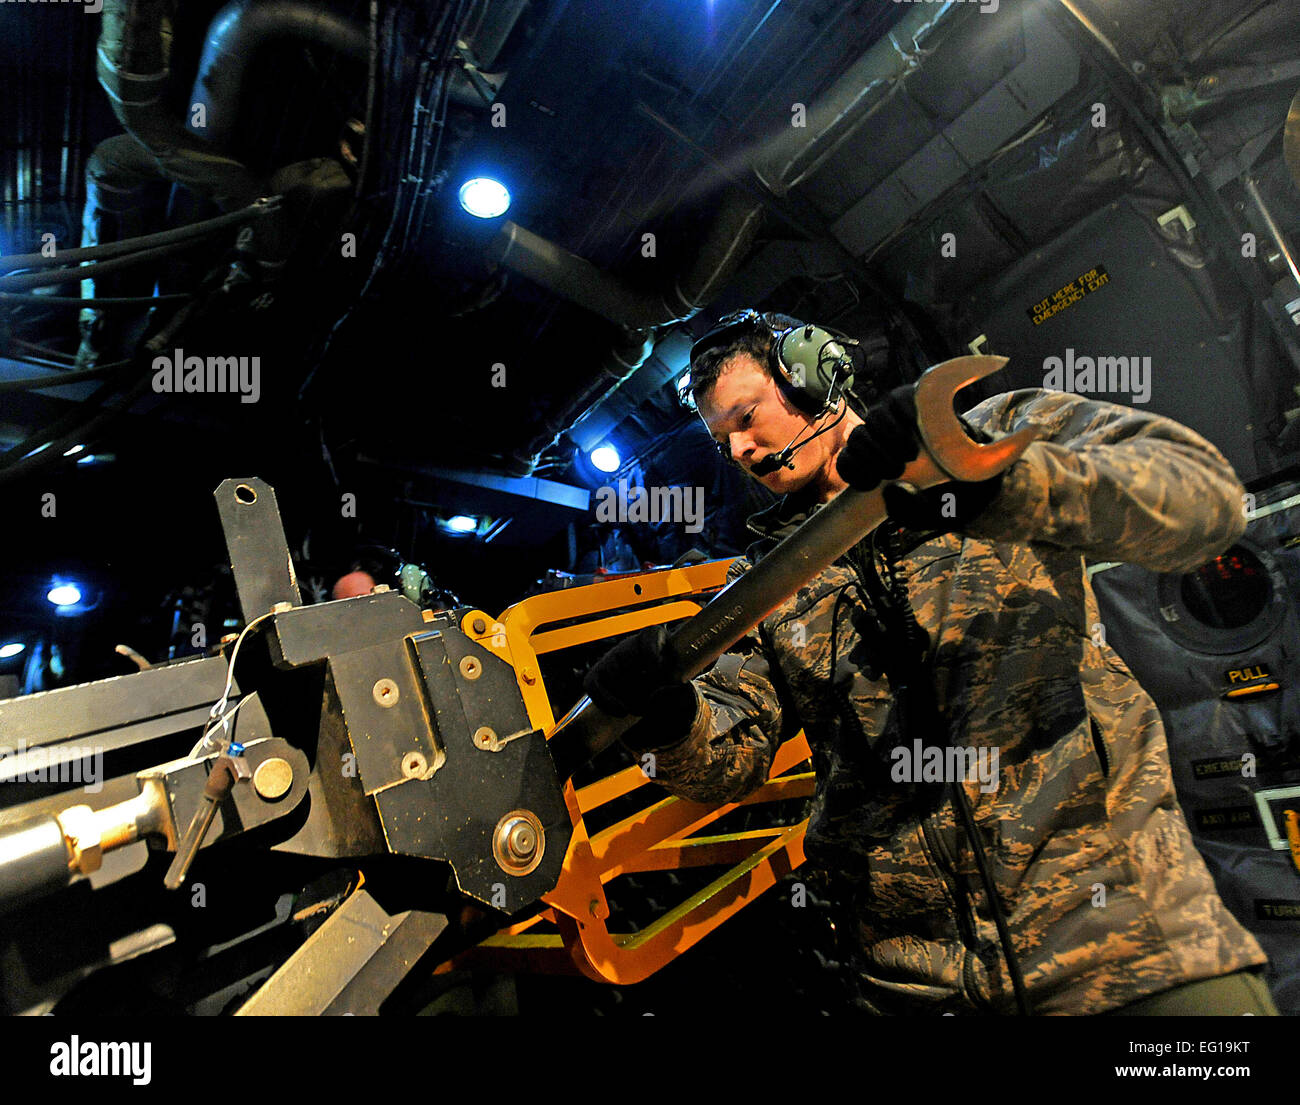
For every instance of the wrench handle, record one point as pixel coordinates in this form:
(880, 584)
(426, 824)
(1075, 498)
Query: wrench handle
(696, 645)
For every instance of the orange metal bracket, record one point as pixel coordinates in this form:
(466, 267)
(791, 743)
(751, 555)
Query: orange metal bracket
(658, 837)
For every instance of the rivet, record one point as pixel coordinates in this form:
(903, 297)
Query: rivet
(385, 692)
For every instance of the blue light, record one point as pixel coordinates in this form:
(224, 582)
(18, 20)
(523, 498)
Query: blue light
(484, 197)
(74, 450)
(605, 458)
(64, 594)
(11, 650)
(462, 523)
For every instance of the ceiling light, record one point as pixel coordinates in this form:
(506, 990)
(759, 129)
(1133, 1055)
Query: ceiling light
(64, 594)
(11, 650)
(484, 197)
(605, 458)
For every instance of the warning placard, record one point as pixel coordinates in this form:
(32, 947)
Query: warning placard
(1074, 291)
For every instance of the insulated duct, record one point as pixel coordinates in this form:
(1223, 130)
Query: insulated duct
(580, 282)
(133, 54)
(235, 35)
(853, 99)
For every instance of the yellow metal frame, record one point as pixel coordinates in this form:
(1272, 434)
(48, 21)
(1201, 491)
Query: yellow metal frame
(659, 837)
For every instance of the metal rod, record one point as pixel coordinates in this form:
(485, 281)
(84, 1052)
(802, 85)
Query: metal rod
(1276, 231)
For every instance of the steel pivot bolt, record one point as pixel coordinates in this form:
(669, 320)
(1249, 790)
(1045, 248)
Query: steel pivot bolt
(521, 840)
(518, 842)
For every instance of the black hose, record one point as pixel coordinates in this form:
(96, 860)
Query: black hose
(371, 76)
(78, 435)
(53, 355)
(93, 272)
(63, 425)
(38, 382)
(28, 300)
(40, 362)
(143, 242)
(74, 425)
(995, 903)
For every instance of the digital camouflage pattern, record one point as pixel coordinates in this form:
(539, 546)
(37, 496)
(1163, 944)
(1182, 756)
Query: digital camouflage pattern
(1105, 895)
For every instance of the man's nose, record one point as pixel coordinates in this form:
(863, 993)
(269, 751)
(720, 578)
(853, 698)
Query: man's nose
(742, 447)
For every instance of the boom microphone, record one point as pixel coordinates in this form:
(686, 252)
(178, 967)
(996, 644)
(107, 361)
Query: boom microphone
(773, 461)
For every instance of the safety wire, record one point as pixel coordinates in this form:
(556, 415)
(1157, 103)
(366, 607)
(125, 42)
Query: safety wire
(218, 716)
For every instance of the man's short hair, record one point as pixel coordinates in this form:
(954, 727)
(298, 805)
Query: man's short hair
(755, 339)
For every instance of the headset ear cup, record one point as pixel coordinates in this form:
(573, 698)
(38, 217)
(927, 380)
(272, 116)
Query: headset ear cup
(813, 394)
(801, 398)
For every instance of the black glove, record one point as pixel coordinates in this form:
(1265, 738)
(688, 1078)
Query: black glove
(881, 447)
(932, 510)
(635, 677)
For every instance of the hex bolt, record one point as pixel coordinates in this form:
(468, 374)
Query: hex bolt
(385, 692)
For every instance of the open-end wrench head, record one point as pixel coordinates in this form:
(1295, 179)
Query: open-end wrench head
(942, 434)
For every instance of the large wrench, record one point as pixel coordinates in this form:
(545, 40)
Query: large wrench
(947, 453)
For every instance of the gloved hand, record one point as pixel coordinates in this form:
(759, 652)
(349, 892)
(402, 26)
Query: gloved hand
(881, 448)
(635, 677)
(931, 509)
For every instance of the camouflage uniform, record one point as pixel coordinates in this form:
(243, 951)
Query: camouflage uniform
(1106, 898)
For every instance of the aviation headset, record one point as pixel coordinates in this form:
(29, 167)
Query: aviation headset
(813, 366)
(387, 565)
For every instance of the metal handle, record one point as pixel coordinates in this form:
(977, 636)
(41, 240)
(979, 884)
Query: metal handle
(225, 772)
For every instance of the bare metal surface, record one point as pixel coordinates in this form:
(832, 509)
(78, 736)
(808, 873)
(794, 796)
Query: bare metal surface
(350, 964)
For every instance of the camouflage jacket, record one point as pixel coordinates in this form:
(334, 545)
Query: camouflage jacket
(1106, 898)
